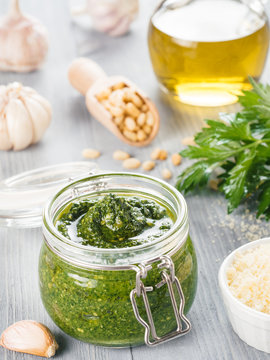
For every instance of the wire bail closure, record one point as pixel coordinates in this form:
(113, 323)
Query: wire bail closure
(169, 278)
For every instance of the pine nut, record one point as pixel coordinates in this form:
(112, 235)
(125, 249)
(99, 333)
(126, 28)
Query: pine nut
(132, 110)
(131, 163)
(118, 120)
(141, 119)
(147, 129)
(116, 111)
(119, 85)
(103, 94)
(163, 155)
(213, 184)
(90, 153)
(127, 94)
(155, 154)
(116, 98)
(120, 155)
(176, 159)
(136, 100)
(166, 174)
(130, 135)
(130, 123)
(149, 119)
(106, 104)
(148, 165)
(144, 108)
(141, 135)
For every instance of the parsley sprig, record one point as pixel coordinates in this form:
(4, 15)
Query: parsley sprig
(239, 144)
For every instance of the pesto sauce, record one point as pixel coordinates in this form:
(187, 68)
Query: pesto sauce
(114, 221)
(94, 305)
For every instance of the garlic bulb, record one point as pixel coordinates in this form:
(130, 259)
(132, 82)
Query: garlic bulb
(23, 41)
(110, 16)
(24, 116)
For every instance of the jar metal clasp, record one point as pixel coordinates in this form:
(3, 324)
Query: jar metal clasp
(166, 265)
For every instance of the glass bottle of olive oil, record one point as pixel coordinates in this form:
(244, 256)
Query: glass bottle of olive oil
(202, 51)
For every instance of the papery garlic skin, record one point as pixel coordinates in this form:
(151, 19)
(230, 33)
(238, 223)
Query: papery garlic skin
(110, 16)
(24, 116)
(23, 41)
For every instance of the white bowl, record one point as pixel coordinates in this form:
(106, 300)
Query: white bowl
(252, 326)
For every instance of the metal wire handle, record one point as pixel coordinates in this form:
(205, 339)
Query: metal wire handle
(183, 324)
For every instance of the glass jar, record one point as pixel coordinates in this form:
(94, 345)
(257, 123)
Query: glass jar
(119, 297)
(203, 51)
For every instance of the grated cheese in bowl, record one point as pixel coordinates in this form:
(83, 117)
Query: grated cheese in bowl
(248, 277)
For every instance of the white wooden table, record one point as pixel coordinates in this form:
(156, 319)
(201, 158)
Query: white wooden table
(72, 130)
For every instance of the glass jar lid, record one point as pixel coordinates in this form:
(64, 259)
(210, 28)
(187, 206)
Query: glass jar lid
(23, 196)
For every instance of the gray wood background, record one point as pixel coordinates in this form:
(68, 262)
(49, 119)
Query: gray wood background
(72, 129)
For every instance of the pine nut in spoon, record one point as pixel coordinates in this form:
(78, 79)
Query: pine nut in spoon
(112, 99)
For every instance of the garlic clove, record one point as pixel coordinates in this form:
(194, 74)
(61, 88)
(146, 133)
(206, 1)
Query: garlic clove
(31, 337)
(23, 41)
(43, 102)
(19, 125)
(39, 118)
(5, 143)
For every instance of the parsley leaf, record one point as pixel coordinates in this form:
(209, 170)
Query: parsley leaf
(239, 145)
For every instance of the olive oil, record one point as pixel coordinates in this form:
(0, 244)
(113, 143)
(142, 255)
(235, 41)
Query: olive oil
(203, 52)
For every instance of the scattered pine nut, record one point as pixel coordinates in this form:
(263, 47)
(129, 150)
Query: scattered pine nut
(131, 163)
(148, 165)
(166, 174)
(155, 154)
(120, 155)
(176, 159)
(188, 141)
(90, 154)
(163, 155)
(213, 184)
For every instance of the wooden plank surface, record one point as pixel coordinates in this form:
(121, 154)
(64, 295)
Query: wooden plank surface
(214, 234)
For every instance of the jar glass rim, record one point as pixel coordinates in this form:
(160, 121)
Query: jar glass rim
(59, 243)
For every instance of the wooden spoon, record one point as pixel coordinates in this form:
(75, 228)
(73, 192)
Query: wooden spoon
(90, 80)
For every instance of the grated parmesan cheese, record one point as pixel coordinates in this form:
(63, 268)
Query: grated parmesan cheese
(249, 278)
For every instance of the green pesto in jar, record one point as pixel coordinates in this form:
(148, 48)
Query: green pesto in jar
(114, 221)
(94, 305)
